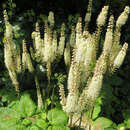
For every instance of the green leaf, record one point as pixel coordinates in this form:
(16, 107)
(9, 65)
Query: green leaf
(13, 5)
(43, 115)
(34, 127)
(127, 123)
(42, 123)
(26, 122)
(103, 123)
(120, 125)
(11, 124)
(19, 107)
(96, 111)
(5, 124)
(59, 127)
(8, 95)
(57, 117)
(26, 107)
(126, 114)
(49, 128)
(20, 127)
(48, 101)
(8, 113)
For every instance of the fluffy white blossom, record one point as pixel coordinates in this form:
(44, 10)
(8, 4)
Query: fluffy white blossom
(102, 16)
(123, 17)
(120, 57)
(94, 87)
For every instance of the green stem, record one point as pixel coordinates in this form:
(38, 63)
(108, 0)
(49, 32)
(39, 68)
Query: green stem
(53, 93)
(48, 66)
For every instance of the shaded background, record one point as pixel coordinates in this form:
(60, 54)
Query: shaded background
(32, 10)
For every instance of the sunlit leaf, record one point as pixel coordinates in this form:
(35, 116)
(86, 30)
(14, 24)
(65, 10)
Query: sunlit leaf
(57, 117)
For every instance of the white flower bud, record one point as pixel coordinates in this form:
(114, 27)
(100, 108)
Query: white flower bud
(123, 17)
(109, 36)
(71, 103)
(8, 31)
(94, 87)
(120, 57)
(81, 50)
(79, 32)
(102, 16)
(51, 19)
(108, 42)
(67, 55)
(62, 40)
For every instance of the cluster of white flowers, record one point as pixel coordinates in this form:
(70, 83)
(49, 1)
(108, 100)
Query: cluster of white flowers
(109, 36)
(123, 17)
(94, 87)
(102, 16)
(120, 57)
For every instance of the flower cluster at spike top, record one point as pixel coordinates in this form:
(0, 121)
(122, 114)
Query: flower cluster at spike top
(85, 69)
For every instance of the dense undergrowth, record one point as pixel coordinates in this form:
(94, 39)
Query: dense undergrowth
(110, 110)
(22, 110)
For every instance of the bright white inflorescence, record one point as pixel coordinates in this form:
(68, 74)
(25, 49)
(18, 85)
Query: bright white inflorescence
(102, 16)
(123, 17)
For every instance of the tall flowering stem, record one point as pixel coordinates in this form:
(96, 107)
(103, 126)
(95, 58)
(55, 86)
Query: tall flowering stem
(12, 57)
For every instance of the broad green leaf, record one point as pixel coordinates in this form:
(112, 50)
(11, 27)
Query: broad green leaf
(34, 127)
(26, 122)
(19, 107)
(8, 113)
(20, 127)
(49, 128)
(58, 127)
(10, 120)
(99, 100)
(26, 107)
(11, 124)
(96, 111)
(103, 123)
(42, 124)
(57, 117)
(5, 124)
(43, 115)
